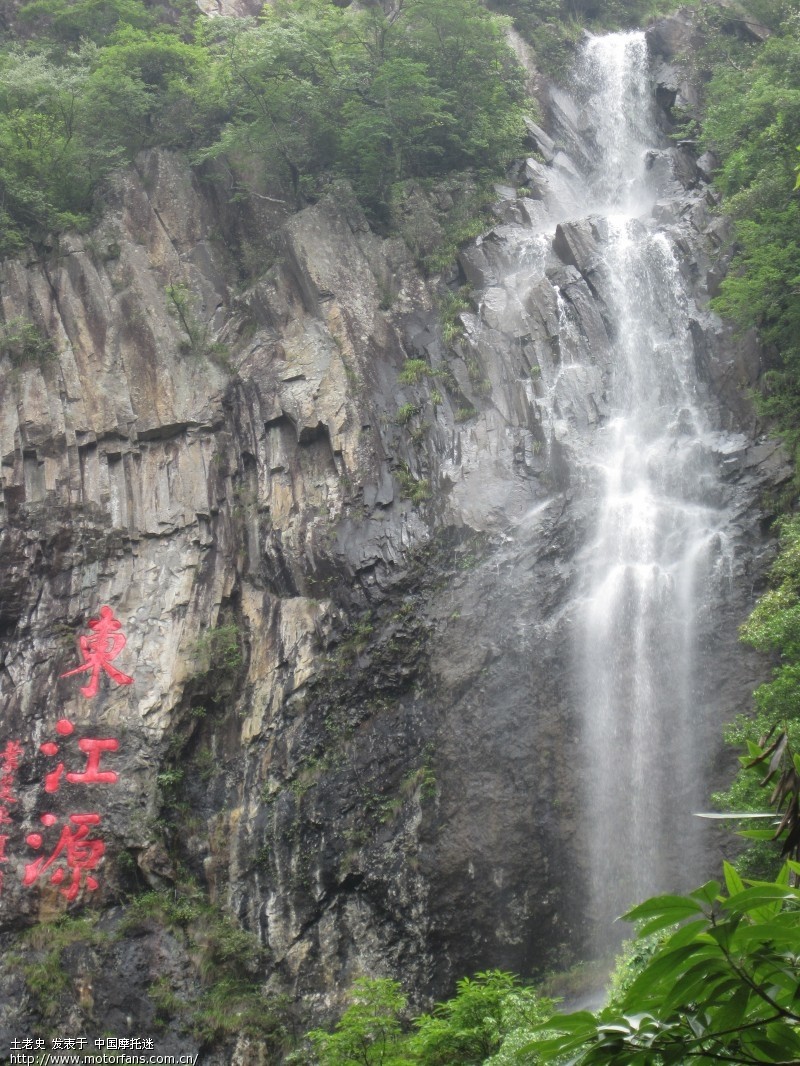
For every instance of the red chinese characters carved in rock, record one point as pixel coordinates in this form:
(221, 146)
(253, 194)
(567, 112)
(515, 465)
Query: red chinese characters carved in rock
(76, 854)
(92, 748)
(103, 645)
(9, 761)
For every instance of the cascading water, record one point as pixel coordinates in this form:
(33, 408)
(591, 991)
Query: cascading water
(656, 541)
(621, 416)
(608, 451)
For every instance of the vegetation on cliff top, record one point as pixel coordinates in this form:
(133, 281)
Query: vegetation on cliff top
(308, 92)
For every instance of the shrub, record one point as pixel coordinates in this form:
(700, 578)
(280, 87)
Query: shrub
(25, 344)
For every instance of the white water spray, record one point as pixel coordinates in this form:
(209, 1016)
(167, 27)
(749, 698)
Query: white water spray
(655, 548)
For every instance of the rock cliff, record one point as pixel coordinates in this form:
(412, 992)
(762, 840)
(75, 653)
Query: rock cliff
(342, 548)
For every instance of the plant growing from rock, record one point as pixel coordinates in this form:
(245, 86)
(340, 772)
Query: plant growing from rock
(196, 334)
(414, 370)
(418, 490)
(25, 344)
(405, 413)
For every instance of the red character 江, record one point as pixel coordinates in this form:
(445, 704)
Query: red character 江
(92, 747)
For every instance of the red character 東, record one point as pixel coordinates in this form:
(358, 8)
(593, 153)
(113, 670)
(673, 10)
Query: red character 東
(98, 650)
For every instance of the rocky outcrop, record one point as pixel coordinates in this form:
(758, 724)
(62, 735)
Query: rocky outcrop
(343, 549)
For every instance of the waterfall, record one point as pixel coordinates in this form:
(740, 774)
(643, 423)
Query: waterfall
(654, 550)
(629, 507)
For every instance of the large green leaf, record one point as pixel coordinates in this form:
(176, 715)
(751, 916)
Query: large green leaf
(661, 906)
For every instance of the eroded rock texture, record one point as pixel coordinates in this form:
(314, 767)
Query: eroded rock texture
(345, 580)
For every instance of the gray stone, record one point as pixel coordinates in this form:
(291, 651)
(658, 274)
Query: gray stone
(539, 140)
(707, 164)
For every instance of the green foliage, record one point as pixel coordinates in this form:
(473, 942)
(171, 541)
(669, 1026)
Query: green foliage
(634, 956)
(471, 1027)
(467, 220)
(309, 93)
(369, 1032)
(196, 333)
(418, 490)
(170, 779)
(465, 413)
(414, 370)
(451, 305)
(25, 344)
(490, 1016)
(148, 87)
(228, 999)
(233, 1008)
(423, 779)
(774, 628)
(220, 648)
(68, 118)
(166, 1002)
(48, 165)
(46, 976)
(553, 27)
(69, 22)
(405, 413)
(316, 90)
(722, 987)
(753, 123)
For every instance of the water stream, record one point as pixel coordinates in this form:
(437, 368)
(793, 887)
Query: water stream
(622, 411)
(657, 545)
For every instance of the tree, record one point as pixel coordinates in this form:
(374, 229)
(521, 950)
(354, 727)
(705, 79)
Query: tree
(471, 1027)
(316, 92)
(69, 22)
(369, 1032)
(140, 92)
(45, 182)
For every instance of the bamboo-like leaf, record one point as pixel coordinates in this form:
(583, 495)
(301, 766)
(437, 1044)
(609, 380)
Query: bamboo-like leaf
(655, 925)
(702, 976)
(753, 900)
(731, 815)
(664, 967)
(581, 1021)
(777, 755)
(708, 892)
(763, 753)
(686, 934)
(733, 881)
(733, 1011)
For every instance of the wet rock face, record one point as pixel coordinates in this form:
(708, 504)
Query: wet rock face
(344, 578)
